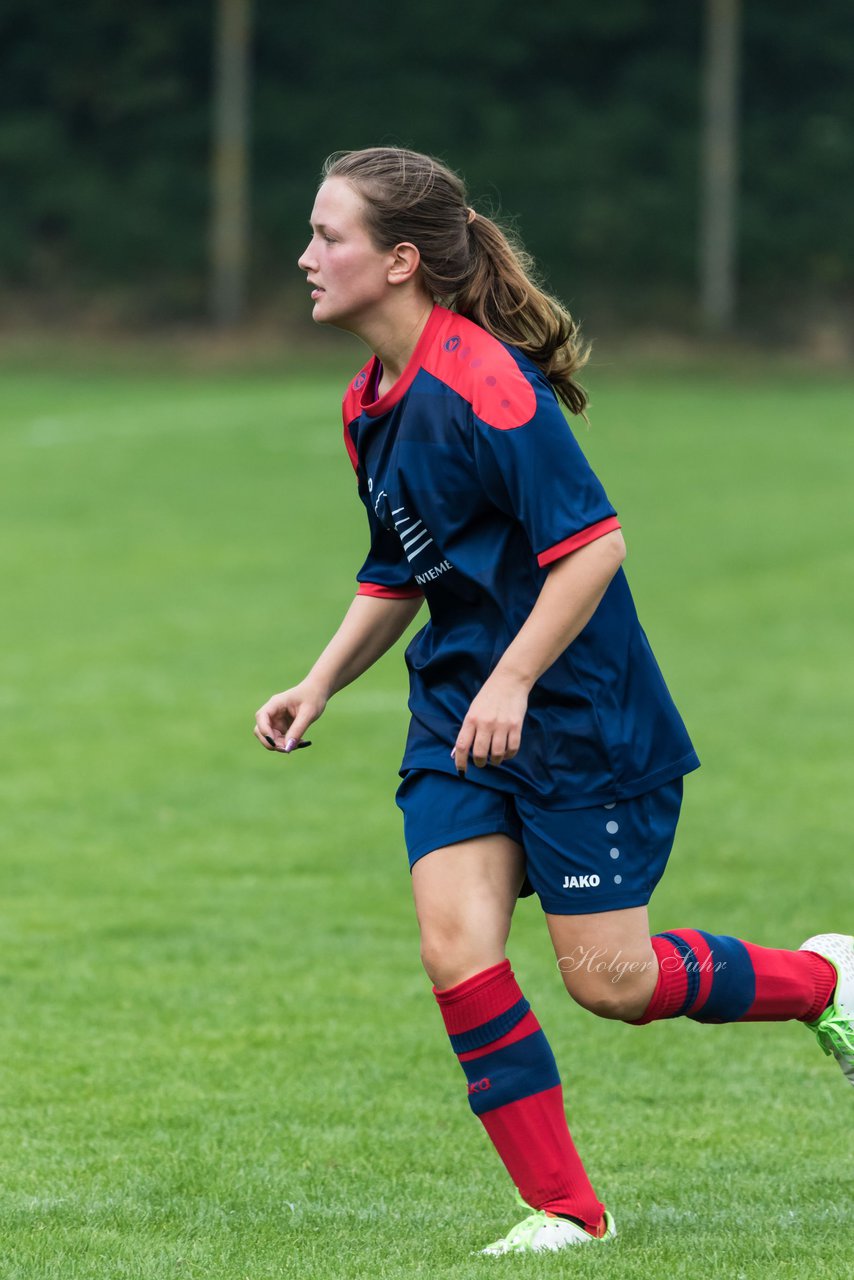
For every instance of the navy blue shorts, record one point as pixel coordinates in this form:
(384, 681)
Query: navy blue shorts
(578, 861)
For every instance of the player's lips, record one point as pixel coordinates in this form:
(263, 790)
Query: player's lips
(316, 290)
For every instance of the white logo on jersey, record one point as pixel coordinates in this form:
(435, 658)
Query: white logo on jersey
(580, 882)
(377, 500)
(414, 536)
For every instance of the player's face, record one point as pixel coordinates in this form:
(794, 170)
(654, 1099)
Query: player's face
(347, 275)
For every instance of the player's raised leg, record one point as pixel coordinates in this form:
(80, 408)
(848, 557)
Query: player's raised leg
(464, 897)
(717, 978)
(612, 967)
(607, 960)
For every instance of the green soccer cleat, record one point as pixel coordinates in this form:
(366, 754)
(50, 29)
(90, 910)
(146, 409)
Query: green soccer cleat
(835, 1028)
(544, 1232)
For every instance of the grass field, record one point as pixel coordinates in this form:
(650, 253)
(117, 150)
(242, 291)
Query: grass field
(220, 1057)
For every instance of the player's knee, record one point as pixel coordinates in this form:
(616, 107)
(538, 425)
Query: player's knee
(450, 955)
(606, 999)
(606, 1004)
(432, 958)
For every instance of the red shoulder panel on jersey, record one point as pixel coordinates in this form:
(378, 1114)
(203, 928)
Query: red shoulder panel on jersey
(474, 364)
(388, 593)
(351, 447)
(351, 408)
(581, 539)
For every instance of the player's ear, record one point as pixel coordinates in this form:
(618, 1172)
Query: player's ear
(406, 260)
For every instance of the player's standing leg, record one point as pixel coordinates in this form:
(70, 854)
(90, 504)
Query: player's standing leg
(464, 896)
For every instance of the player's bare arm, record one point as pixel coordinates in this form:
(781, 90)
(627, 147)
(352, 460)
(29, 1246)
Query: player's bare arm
(368, 630)
(492, 729)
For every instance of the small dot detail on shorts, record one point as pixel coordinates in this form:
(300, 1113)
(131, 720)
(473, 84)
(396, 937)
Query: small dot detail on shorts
(612, 805)
(618, 879)
(615, 853)
(612, 828)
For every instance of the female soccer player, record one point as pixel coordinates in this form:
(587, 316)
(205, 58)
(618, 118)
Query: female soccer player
(533, 668)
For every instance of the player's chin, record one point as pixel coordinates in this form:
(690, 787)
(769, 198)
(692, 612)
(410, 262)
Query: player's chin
(322, 313)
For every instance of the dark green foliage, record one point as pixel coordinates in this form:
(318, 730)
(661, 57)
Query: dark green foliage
(580, 121)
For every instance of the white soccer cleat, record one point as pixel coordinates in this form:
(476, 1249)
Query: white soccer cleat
(543, 1232)
(834, 1030)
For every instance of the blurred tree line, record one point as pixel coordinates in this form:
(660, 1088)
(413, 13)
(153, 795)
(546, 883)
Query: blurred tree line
(579, 121)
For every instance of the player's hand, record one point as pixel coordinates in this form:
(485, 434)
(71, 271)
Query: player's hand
(492, 729)
(284, 718)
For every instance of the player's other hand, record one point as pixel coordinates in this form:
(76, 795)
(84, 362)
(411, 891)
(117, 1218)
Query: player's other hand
(492, 729)
(284, 718)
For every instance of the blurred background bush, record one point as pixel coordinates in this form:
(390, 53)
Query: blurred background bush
(583, 123)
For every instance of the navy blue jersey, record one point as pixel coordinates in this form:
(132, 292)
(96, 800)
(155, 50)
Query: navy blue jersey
(474, 485)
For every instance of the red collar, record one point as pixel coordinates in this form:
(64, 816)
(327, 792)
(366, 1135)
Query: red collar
(404, 382)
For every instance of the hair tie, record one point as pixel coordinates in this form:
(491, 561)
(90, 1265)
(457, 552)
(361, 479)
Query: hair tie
(470, 217)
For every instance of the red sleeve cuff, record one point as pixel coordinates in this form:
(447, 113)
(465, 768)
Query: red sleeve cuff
(388, 593)
(590, 534)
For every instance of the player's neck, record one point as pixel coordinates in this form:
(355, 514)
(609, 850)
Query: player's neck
(393, 335)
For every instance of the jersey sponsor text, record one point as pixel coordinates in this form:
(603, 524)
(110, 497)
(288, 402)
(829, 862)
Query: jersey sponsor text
(431, 574)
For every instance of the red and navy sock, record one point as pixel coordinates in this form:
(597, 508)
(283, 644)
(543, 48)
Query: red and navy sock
(714, 978)
(515, 1089)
